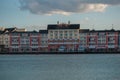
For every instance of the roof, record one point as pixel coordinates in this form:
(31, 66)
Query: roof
(1, 32)
(63, 26)
(10, 29)
(112, 30)
(25, 32)
(84, 30)
(43, 31)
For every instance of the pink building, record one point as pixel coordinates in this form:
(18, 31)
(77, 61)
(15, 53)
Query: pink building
(24, 41)
(103, 40)
(43, 40)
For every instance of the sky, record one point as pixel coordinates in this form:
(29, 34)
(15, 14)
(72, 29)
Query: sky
(37, 14)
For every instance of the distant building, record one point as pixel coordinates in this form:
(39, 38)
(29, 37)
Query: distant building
(83, 39)
(2, 28)
(118, 40)
(65, 36)
(101, 40)
(43, 40)
(92, 41)
(24, 41)
(5, 37)
(59, 38)
(112, 40)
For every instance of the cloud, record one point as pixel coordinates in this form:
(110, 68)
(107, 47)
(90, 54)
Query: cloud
(65, 7)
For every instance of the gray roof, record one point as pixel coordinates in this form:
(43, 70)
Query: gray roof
(43, 31)
(63, 26)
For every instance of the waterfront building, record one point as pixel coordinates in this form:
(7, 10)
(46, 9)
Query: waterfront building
(92, 40)
(43, 40)
(6, 41)
(1, 41)
(59, 37)
(5, 38)
(24, 41)
(118, 40)
(34, 41)
(112, 40)
(63, 37)
(101, 40)
(83, 39)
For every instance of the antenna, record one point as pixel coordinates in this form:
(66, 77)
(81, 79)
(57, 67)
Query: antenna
(58, 22)
(93, 26)
(68, 22)
(112, 26)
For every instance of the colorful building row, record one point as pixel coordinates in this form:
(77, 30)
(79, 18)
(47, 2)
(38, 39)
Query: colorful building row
(60, 37)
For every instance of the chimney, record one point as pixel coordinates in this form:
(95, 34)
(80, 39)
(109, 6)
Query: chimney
(58, 22)
(68, 22)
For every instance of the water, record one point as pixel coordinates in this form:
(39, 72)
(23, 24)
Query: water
(60, 67)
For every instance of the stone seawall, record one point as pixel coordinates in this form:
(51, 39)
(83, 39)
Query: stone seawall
(2, 53)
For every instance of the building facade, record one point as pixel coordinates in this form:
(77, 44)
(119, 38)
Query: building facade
(59, 38)
(118, 40)
(24, 41)
(43, 40)
(5, 37)
(83, 39)
(101, 41)
(112, 40)
(63, 37)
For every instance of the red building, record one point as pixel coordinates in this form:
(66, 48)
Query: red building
(43, 40)
(24, 41)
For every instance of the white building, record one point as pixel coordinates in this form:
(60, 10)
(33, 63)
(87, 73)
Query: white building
(63, 35)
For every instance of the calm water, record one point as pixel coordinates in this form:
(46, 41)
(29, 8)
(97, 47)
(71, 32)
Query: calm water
(60, 67)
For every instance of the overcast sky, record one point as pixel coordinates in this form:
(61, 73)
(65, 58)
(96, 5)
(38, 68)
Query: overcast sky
(97, 14)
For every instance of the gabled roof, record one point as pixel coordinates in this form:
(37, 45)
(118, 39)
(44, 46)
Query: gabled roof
(63, 26)
(25, 32)
(1, 32)
(10, 29)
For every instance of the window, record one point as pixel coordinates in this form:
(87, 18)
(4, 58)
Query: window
(15, 34)
(61, 34)
(34, 44)
(71, 34)
(34, 34)
(51, 31)
(15, 50)
(66, 34)
(51, 35)
(56, 34)
(75, 34)
(34, 49)
(61, 31)
(56, 37)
